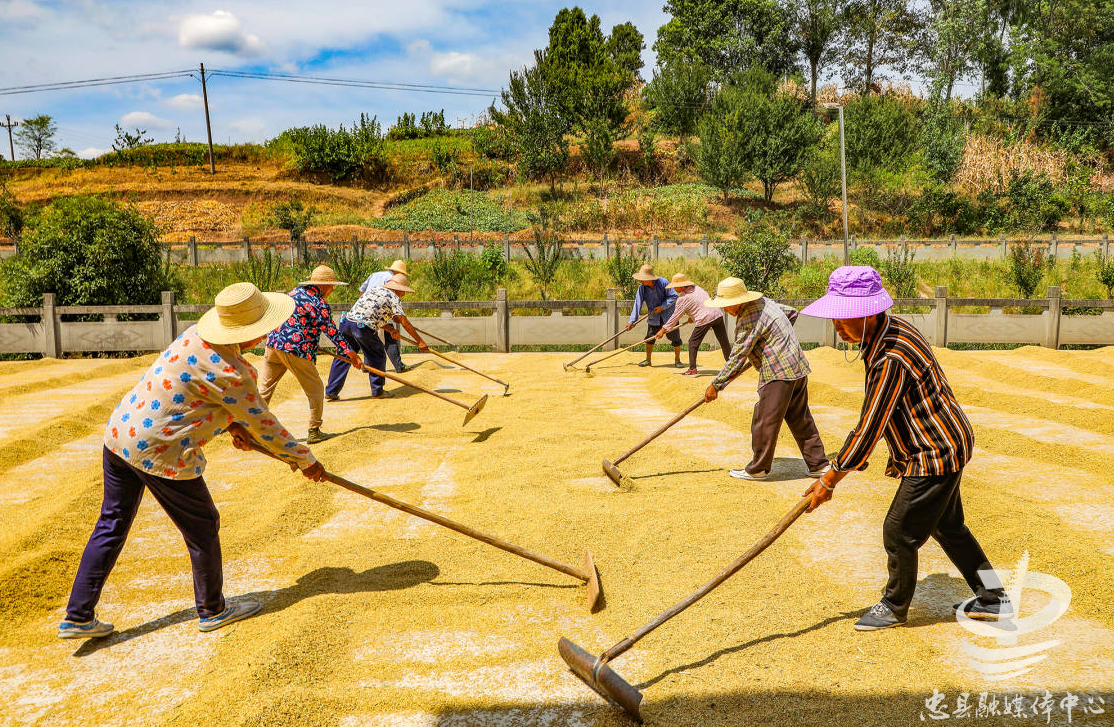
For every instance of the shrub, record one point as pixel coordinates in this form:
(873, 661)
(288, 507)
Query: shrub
(940, 210)
(358, 154)
(1105, 275)
(263, 268)
(352, 264)
(759, 261)
(11, 214)
(443, 210)
(453, 274)
(444, 158)
(292, 216)
(494, 261)
(621, 267)
(820, 180)
(881, 134)
(1025, 268)
(1033, 202)
(88, 251)
(493, 142)
(942, 144)
(899, 271)
(865, 256)
(544, 262)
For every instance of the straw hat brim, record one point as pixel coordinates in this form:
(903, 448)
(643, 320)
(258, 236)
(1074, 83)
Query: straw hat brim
(682, 284)
(397, 287)
(644, 278)
(212, 329)
(334, 283)
(398, 268)
(749, 296)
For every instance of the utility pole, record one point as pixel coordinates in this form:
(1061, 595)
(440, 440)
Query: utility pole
(9, 125)
(843, 173)
(208, 127)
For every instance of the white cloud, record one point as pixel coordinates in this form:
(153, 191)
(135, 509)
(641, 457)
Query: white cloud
(143, 120)
(251, 127)
(488, 67)
(221, 31)
(185, 102)
(92, 152)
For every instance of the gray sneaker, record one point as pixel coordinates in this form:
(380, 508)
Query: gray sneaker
(89, 630)
(878, 617)
(231, 614)
(987, 611)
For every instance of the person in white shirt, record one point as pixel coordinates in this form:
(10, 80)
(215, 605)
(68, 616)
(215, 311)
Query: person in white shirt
(390, 343)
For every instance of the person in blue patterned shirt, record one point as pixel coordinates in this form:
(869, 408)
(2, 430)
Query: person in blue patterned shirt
(293, 346)
(375, 311)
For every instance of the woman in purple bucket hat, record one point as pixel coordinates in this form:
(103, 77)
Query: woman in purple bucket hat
(909, 402)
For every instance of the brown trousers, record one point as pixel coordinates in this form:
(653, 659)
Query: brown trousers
(786, 401)
(276, 363)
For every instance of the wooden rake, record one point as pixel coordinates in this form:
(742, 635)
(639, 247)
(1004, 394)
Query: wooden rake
(567, 366)
(588, 574)
(648, 339)
(438, 354)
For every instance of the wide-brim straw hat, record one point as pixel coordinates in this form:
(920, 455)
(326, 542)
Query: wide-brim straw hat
(399, 284)
(399, 266)
(680, 280)
(322, 275)
(732, 291)
(242, 313)
(854, 291)
(646, 272)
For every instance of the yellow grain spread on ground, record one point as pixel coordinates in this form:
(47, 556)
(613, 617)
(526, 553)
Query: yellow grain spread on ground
(373, 618)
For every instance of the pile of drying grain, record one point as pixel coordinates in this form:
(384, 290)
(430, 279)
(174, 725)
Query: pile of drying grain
(374, 619)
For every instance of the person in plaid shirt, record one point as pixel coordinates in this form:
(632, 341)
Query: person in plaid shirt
(293, 346)
(764, 338)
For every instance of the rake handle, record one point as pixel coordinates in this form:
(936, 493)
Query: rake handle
(455, 362)
(403, 381)
(442, 521)
(604, 343)
(648, 339)
(435, 337)
(708, 587)
(661, 430)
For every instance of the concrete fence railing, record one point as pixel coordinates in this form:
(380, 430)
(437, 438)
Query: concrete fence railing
(503, 324)
(200, 252)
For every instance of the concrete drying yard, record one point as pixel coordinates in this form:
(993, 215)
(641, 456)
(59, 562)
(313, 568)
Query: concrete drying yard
(375, 619)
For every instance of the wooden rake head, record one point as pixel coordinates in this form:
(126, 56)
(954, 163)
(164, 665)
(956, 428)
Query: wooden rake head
(601, 678)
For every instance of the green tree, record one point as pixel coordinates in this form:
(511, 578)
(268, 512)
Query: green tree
(599, 147)
(35, 136)
(534, 122)
(88, 251)
(590, 72)
(880, 34)
(678, 95)
(292, 216)
(759, 258)
(778, 134)
(953, 41)
(943, 143)
(816, 26)
(881, 134)
(820, 177)
(728, 36)
(130, 139)
(720, 160)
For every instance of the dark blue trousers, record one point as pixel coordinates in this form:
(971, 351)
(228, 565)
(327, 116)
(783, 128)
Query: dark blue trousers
(190, 507)
(393, 352)
(362, 339)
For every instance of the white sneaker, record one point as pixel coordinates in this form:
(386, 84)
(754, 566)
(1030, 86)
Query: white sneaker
(742, 474)
(820, 471)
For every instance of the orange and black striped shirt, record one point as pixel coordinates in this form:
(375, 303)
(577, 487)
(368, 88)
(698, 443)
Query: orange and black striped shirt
(909, 402)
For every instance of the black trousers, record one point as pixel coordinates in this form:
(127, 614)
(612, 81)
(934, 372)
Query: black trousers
(720, 329)
(784, 401)
(925, 507)
(191, 509)
(390, 344)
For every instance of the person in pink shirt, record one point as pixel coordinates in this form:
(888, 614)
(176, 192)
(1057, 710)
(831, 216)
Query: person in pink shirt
(691, 303)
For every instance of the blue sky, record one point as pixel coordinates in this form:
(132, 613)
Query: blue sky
(444, 42)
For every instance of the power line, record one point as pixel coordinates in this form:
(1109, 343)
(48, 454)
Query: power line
(357, 83)
(106, 81)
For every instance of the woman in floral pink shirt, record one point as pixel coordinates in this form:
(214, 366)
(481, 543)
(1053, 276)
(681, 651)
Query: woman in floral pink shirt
(200, 387)
(691, 303)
